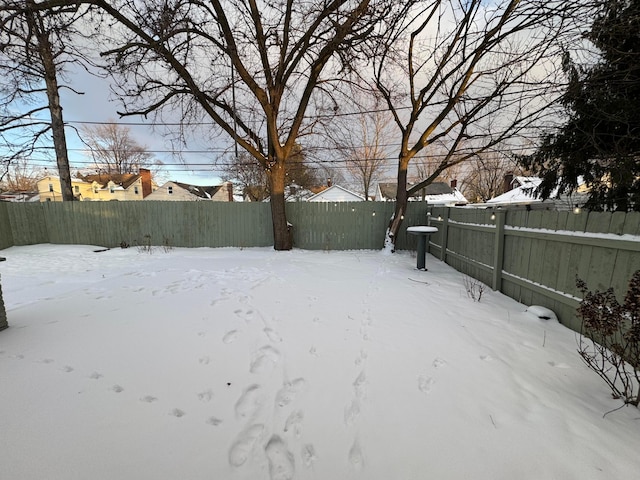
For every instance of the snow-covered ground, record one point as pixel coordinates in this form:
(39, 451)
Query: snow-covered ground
(255, 364)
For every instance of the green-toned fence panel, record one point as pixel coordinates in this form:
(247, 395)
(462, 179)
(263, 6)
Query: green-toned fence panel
(6, 233)
(28, 223)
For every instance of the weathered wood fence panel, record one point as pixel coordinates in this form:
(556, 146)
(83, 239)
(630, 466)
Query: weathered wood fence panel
(327, 225)
(535, 256)
(6, 234)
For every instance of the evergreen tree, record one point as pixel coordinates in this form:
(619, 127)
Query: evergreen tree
(601, 140)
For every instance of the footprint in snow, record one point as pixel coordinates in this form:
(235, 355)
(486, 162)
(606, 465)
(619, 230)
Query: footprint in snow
(264, 359)
(294, 423)
(95, 376)
(289, 392)
(559, 365)
(205, 396)
(242, 447)
(117, 389)
(308, 454)
(272, 335)
(249, 402)
(439, 363)
(148, 399)
(67, 369)
(355, 456)
(281, 462)
(213, 421)
(176, 412)
(425, 383)
(230, 337)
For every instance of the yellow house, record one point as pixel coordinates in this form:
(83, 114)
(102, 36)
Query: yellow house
(100, 187)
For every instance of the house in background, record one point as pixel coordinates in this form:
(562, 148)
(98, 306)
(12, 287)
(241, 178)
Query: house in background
(521, 191)
(437, 193)
(99, 187)
(19, 197)
(184, 192)
(335, 193)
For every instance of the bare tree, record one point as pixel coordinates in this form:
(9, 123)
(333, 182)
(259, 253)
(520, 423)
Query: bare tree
(255, 69)
(486, 175)
(362, 145)
(477, 73)
(247, 173)
(36, 48)
(113, 149)
(21, 176)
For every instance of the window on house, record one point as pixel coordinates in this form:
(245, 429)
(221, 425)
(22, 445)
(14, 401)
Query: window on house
(135, 190)
(77, 189)
(112, 189)
(51, 187)
(170, 190)
(95, 189)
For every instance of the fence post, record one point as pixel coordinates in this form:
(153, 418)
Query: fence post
(445, 234)
(498, 249)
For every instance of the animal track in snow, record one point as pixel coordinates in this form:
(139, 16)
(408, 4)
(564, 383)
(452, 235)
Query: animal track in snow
(249, 402)
(308, 454)
(240, 450)
(294, 423)
(95, 376)
(230, 336)
(559, 365)
(439, 362)
(272, 335)
(117, 389)
(264, 359)
(213, 421)
(176, 412)
(148, 399)
(355, 455)
(281, 463)
(205, 396)
(425, 383)
(67, 369)
(352, 412)
(289, 391)
(204, 360)
(359, 385)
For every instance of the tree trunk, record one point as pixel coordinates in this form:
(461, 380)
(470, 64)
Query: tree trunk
(401, 207)
(57, 123)
(282, 234)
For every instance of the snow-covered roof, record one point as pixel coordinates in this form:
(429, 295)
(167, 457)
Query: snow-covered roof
(335, 193)
(523, 194)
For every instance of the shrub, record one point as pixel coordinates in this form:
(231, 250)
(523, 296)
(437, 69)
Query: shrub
(610, 340)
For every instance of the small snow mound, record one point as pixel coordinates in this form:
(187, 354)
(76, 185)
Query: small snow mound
(542, 313)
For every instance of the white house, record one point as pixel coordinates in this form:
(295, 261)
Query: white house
(335, 193)
(436, 193)
(523, 193)
(177, 192)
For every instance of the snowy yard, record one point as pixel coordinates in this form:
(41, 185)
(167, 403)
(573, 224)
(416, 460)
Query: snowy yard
(254, 364)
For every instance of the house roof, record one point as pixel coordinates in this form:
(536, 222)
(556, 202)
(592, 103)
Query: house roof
(206, 192)
(436, 192)
(125, 180)
(524, 193)
(335, 193)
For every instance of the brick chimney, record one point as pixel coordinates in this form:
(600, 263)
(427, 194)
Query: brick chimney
(229, 187)
(508, 182)
(145, 175)
(454, 183)
(329, 182)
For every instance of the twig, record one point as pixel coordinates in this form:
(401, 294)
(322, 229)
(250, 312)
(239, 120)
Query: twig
(418, 281)
(614, 410)
(494, 423)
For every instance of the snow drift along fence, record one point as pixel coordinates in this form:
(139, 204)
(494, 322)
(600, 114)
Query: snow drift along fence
(535, 256)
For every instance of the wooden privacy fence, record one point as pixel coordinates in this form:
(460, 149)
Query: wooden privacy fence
(315, 225)
(531, 256)
(535, 256)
